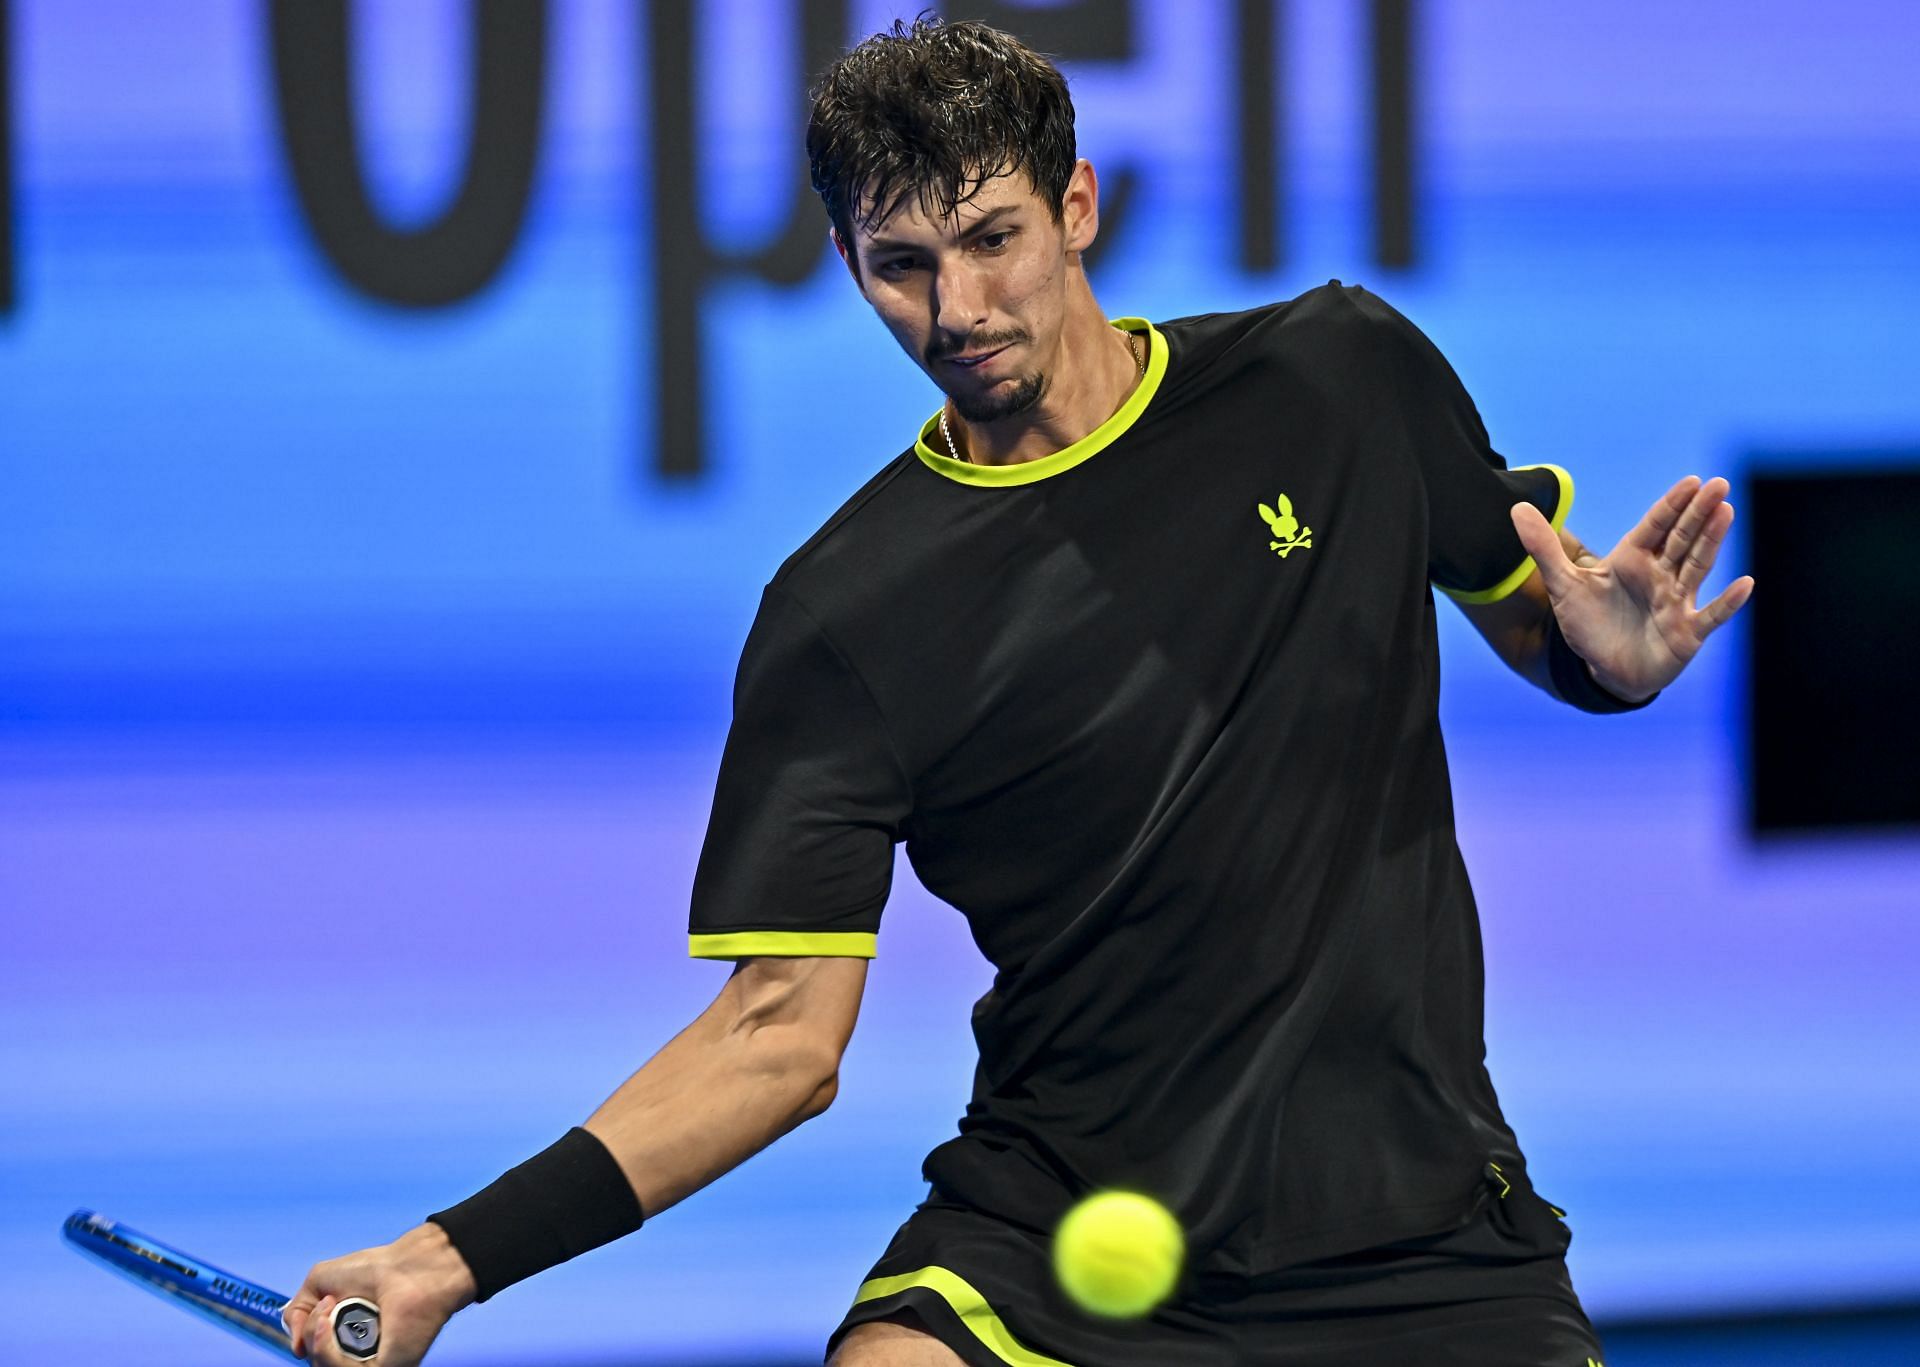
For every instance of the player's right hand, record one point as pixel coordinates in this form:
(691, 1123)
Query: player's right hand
(418, 1281)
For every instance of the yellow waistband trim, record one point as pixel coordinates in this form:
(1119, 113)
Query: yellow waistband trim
(1525, 568)
(790, 944)
(969, 1305)
(1103, 436)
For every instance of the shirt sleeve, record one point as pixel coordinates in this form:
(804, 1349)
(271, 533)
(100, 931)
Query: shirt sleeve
(798, 856)
(1473, 553)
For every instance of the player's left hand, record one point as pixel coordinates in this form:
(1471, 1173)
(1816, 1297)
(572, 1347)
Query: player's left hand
(1631, 616)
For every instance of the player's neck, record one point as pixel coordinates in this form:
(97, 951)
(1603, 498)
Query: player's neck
(1092, 374)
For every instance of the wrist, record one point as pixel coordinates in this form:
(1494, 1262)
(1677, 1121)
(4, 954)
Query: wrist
(430, 1255)
(1626, 694)
(566, 1200)
(1579, 685)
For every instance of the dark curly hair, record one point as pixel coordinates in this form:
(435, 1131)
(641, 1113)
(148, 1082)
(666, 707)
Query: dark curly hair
(935, 110)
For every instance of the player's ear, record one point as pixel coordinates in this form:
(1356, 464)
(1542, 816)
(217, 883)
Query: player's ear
(1080, 207)
(847, 256)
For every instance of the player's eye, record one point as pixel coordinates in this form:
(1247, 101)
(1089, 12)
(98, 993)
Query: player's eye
(895, 265)
(994, 242)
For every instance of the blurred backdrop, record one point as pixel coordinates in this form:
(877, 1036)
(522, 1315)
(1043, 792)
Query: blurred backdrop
(402, 404)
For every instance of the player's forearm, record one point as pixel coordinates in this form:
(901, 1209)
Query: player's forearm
(1516, 628)
(1527, 653)
(719, 1092)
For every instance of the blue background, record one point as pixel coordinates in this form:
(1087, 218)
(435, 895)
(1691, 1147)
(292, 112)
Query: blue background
(361, 692)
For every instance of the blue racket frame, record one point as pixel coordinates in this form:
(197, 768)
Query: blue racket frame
(232, 1302)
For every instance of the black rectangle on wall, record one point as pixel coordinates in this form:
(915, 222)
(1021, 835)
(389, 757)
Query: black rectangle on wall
(1834, 678)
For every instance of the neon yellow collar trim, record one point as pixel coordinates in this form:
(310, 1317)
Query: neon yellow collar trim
(1103, 436)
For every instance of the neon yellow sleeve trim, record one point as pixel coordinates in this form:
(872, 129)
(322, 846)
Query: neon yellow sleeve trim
(969, 1305)
(1519, 575)
(788, 944)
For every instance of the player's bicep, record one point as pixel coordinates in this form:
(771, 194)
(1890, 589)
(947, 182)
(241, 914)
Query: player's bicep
(812, 1001)
(1474, 554)
(810, 800)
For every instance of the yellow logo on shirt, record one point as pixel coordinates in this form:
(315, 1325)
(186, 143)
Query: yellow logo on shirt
(1289, 534)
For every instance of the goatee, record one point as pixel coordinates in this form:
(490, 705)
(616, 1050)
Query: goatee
(993, 406)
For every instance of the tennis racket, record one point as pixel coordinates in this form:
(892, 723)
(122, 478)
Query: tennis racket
(233, 1303)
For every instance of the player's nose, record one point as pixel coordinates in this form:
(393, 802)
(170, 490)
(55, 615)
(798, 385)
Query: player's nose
(959, 302)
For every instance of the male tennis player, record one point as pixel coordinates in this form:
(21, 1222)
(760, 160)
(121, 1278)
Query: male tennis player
(1134, 647)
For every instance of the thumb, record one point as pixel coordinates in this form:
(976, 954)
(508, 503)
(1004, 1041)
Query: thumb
(1539, 540)
(308, 1301)
(295, 1318)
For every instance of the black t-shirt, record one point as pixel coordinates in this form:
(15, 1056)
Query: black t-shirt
(1157, 714)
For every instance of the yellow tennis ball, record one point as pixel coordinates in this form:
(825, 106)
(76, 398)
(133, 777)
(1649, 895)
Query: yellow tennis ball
(1118, 1253)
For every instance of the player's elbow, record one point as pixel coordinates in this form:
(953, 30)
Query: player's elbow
(797, 1016)
(822, 1097)
(784, 1061)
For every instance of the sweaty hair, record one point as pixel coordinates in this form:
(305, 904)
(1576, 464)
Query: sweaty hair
(934, 111)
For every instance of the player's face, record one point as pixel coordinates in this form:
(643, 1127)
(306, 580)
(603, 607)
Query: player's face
(979, 300)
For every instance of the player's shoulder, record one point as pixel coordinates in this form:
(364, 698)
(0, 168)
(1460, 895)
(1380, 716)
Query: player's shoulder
(1335, 299)
(1332, 313)
(854, 541)
(1327, 336)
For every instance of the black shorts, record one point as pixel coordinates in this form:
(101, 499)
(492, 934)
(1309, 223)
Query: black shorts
(1492, 1293)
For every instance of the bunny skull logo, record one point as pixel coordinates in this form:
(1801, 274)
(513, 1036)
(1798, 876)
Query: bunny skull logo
(1288, 534)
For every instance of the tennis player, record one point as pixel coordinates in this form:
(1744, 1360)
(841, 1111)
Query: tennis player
(1134, 647)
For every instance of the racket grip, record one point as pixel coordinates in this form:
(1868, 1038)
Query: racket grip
(356, 1327)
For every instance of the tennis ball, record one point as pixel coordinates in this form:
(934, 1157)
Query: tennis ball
(1118, 1253)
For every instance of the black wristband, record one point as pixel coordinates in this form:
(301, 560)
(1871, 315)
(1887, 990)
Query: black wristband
(563, 1201)
(1574, 682)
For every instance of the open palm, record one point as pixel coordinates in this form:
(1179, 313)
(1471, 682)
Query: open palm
(1631, 616)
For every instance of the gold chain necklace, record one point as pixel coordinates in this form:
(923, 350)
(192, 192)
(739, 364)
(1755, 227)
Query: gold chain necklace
(947, 432)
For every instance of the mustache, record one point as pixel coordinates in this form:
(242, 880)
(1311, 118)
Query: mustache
(978, 342)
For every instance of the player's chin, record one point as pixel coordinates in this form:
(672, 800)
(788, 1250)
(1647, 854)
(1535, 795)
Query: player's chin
(994, 399)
